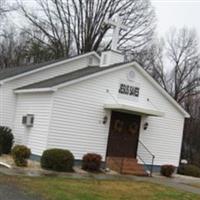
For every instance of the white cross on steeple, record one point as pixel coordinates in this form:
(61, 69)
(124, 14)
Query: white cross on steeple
(117, 24)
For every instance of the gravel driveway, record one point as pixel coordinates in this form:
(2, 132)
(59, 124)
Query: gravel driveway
(10, 192)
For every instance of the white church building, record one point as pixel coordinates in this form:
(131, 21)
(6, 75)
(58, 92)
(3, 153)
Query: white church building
(93, 104)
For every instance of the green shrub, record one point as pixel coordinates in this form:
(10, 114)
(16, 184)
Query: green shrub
(91, 162)
(6, 139)
(58, 160)
(167, 170)
(189, 170)
(20, 155)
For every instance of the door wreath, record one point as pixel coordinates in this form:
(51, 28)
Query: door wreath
(118, 126)
(133, 128)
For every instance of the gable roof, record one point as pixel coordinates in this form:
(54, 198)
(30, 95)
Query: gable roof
(58, 80)
(15, 72)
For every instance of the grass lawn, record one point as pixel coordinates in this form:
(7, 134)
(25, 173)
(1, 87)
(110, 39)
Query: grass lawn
(73, 189)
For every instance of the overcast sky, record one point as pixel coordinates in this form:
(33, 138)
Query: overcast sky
(177, 13)
(172, 13)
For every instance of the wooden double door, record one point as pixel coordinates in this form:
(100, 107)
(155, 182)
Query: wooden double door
(123, 135)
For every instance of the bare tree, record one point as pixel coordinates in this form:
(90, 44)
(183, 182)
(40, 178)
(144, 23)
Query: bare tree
(177, 68)
(191, 139)
(183, 52)
(79, 25)
(13, 48)
(37, 50)
(19, 48)
(151, 59)
(5, 7)
(49, 27)
(184, 84)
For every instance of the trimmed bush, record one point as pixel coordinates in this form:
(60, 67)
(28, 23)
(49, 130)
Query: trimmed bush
(189, 170)
(57, 160)
(20, 155)
(91, 162)
(6, 139)
(167, 170)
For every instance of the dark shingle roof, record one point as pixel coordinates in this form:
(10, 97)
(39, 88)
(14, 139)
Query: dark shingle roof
(69, 77)
(14, 71)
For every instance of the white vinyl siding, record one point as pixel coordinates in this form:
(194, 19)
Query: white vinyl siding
(77, 115)
(34, 137)
(8, 98)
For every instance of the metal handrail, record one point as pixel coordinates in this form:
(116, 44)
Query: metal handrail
(152, 160)
(146, 148)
